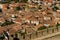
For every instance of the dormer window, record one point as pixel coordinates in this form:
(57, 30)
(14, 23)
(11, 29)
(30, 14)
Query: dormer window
(8, 7)
(13, 15)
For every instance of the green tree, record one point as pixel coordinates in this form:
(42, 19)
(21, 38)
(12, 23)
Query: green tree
(55, 8)
(57, 25)
(16, 1)
(18, 8)
(7, 23)
(5, 1)
(25, 1)
(41, 28)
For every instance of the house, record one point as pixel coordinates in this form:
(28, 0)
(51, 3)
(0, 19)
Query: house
(29, 30)
(4, 6)
(37, 26)
(2, 20)
(50, 1)
(29, 1)
(18, 20)
(14, 28)
(35, 0)
(58, 13)
(1, 6)
(13, 5)
(47, 18)
(58, 21)
(2, 1)
(2, 29)
(58, 5)
(58, 16)
(34, 20)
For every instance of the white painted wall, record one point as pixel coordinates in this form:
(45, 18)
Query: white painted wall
(1, 6)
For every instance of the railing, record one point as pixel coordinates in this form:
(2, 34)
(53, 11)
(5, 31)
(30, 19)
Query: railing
(40, 33)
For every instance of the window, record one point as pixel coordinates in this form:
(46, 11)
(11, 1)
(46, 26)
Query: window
(0, 10)
(8, 8)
